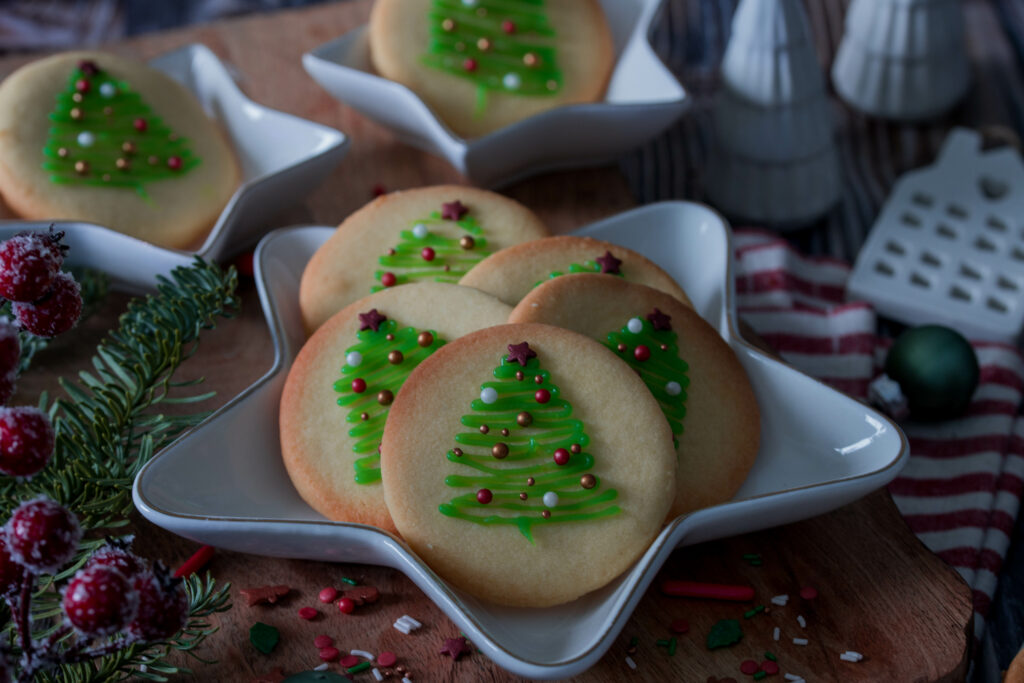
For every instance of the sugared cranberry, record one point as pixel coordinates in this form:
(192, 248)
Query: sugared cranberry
(163, 605)
(42, 535)
(99, 601)
(28, 265)
(116, 555)
(56, 312)
(26, 441)
(11, 573)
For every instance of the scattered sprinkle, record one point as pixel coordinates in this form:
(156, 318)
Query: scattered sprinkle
(349, 660)
(750, 613)
(321, 667)
(776, 633)
(680, 626)
(377, 675)
(323, 641)
(671, 647)
(264, 637)
(308, 613)
(329, 654)
(405, 679)
(800, 620)
(387, 658)
(808, 593)
(780, 600)
(725, 633)
(328, 594)
(799, 641)
(851, 656)
(661, 643)
(771, 656)
(358, 668)
(759, 675)
(362, 653)
(412, 622)
(752, 556)
(631, 663)
(401, 627)
(351, 582)
(770, 668)
(793, 677)
(748, 667)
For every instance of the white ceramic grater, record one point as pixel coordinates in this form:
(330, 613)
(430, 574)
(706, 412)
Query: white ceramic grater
(948, 246)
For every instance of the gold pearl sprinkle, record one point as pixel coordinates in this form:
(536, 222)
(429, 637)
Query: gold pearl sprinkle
(105, 177)
(364, 416)
(588, 481)
(575, 448)
(546, 514)
(552, 85)
(467, 242)
(520, 375)
(504, 432)
(425, 339)
(81, 167)
(123, 164)
(153, 160)
(385, 397)
(483, 44)
(524, 419)
(389, 336)
(523, 496)
(484, 429)
(77, 97)
(108, 110)
(395, 357)
(76, 114)
(448, 25)
(482, 12)
(62, 152)
(457, 452)
(531, 59)
(128, 147)
(530, 481)
(499, 450)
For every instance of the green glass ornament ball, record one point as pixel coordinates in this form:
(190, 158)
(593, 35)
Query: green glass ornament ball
(937, 370)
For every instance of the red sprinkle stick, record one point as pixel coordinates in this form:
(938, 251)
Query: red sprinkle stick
(195, 563)
(711, 591)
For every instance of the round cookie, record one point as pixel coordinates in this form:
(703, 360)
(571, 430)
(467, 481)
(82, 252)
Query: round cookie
(697, 379)
(390, 235)
(329, 451)
(483, 64)
(593, 440)
(96, 137)
(512, 273)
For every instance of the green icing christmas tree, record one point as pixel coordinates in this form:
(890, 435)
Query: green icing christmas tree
(103, 134)
(650, 347)
(499, 45)
(375, 369)
(525, 454)
(425, 252)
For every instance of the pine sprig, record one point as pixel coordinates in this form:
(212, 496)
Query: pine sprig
(108, 427)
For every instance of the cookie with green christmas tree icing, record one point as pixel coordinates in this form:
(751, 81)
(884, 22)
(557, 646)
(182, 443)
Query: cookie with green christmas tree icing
(96, 137)
(512, 273)
(341, 386)
(428, 234)
(527, 465)
(700, 385)
(483, 64)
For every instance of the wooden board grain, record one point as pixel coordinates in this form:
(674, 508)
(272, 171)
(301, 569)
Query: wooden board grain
(881, 592)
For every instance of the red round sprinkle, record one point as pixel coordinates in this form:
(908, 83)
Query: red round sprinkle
(358, 386)
(323, 641)
(174, 163)
(769, 667)
(680, 626)
(428, 254)
(140, 125)
(388, 279)
(328, 594)
(484, 496)
(808, 593)
(561, 456)
(387, 658)
(469, 64)
(346, 605)
(542, 396)
(329, 654)
(749, 667)
(308, 613)
(508, 26)
(82, 85)
(349, 661)
(641, 353)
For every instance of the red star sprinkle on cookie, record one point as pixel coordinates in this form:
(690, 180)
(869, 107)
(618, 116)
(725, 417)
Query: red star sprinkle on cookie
(453, 211)
(456, 647)
(659, 320)
(609, 264)
(371, 320)
(520, 353)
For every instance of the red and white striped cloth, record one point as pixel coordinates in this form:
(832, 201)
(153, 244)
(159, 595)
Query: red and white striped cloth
(961, 488)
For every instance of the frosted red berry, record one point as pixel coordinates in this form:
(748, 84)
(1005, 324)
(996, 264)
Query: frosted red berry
(346, 605)
(28, 265)
(163, 605)
(11, 573)
(26, 441)
(54, 313)
(99, 601)
(117, 556)
(42, 535)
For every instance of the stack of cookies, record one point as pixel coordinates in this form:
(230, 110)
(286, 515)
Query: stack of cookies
(525, 411)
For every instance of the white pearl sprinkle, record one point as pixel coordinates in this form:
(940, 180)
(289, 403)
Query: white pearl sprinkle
(635, 325)
(85, 138)
(419, 231)
(108, 90)
(673, 389)
(353, 359)
(550, 499)
(511, 81)
(489, 395)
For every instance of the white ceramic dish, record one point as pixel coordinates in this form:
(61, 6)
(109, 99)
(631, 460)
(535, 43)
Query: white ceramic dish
(643, 98)
(224, 482)
(282, 157)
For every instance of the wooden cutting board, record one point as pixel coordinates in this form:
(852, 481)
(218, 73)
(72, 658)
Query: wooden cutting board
(881, 592)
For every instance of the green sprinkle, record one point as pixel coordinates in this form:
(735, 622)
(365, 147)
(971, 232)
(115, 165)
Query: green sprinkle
(264, 637)
(633, 641)
(351, 582)
(769, 655)
(725, 633)
(756, 563)
(752, 556)
(759, 675)
(662, 643)
(757, 610)
(671, 646)
(363, 666)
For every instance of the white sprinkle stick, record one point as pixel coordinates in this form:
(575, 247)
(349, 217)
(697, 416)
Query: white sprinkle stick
(322, 667)
(362, 653)
(405, 679)
(412, 623)
(792, 677)
(632, 664)
(780, 600)
(377, 674)
(401, 626)
(799, 641)
(776, 633)
(851, 656)
(800, 620)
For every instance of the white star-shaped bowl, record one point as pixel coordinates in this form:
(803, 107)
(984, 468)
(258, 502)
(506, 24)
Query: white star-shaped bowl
(282, 157)
(224, 483)
(643, 98)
